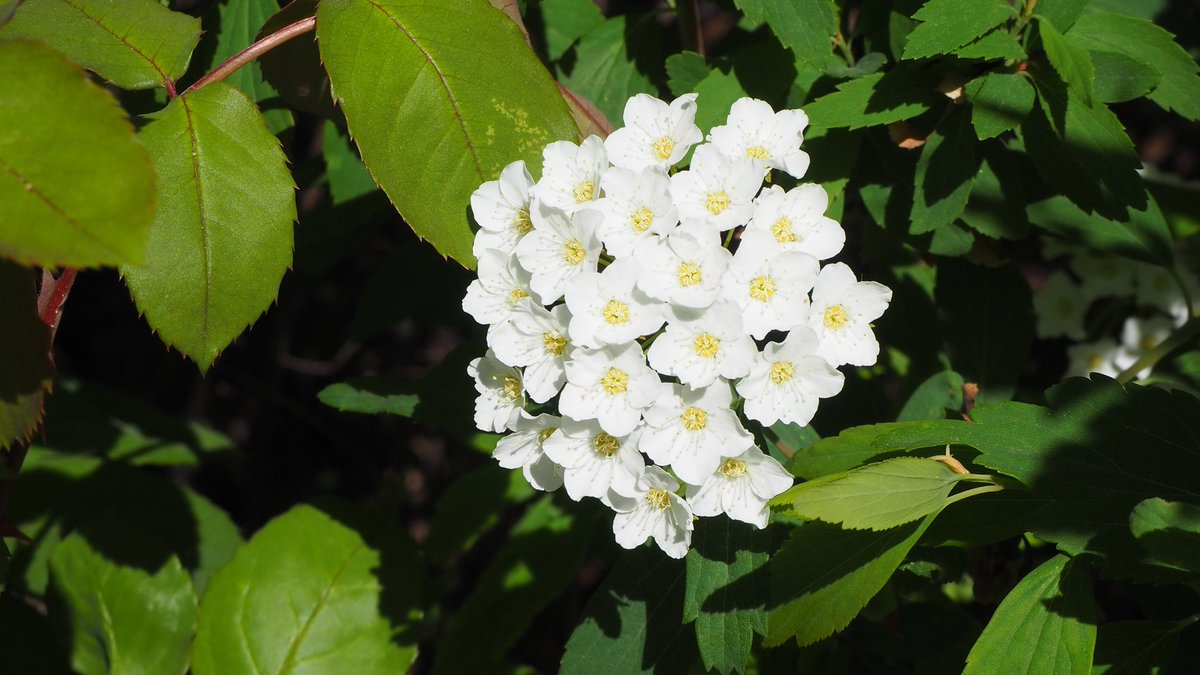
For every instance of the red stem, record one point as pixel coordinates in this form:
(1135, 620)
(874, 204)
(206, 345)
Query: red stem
(54, 294)
(255, 50)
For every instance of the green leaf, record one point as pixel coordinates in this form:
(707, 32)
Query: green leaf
(1143, 41)
(996, 206)
(934, 396)
(222, 237)
(1051, 614)
(632, 622)
(945, 173)
(238, 23)
(1060, 13)
(294, 67)
(999, 102)
(470, 507)
(717, 93)
(26, 371)
(873, 497)
(951, 241)
(685, 70)
(988, 323)
(784, 440)
(457, 96)
(608, 69)
(76, 188)
(1120, 78)
(135, 44)
(125, 616)
(835, 454)
(881, 98)
(1170, 531)
(312, 592)
(806, 27)
(824, 575)
(949, 24)
(994, 45)
(370, 396)
(1142, 235)
(1137, 647)
(726, 591)
(566, 21)
(1070, 61)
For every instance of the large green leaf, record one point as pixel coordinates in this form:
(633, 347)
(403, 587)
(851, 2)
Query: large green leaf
(452, 94)
(1121, 78)
(849, 449)
(726, 591)
(608, 70)
(996, 206)
(945, 173)
(995, 44)
(311, 592)
(1137, 647)
(470, 507)
(685, 70)
(1047, 624)
(1070, 61)
(238, 23)
(135, 44)
(1142, 234)
(873, 497)
(880, 98)
(76, 187)
(824, 575)
(999, 101)
(1061, 13)
(806, 27)
(222, 237)
(25, 368)
(125, 615)
(933, 397)
(949, 24)
(1170, 531)
(566, 21)
(718, 91)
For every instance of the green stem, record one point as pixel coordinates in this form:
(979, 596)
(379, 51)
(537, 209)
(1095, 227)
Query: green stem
(971, 493)
(844, 48)
(1181, 336)
(1183, 289)
(256, 50)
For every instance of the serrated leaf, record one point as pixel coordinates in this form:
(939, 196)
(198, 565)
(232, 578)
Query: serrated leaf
(455, 96)
(1141, 235)
(719, 90)
(1070, 61)
(685, 70)
(222, 237)
(806, 27)
(312, 591)
(1052, 614)
(951, 240)
(994, 45)
(238, 23)
(124, 615)
(608, 70)
(566, 21)
(76, 187)
(632, 622)
(726, 591)
(1061, 13)
(135, 44)
(880, 98)
(824, 575)
(26, 371)
(949, 24)
(945, 173)
(294, 67)
(933, 397)
(877, 496)
(470, 507)
(1137, 647)
(996, 207)
(835, 454)
(1120, 78)
(1170, 531)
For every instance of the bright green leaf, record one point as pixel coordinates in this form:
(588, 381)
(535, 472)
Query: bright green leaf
(25, 367)
(1051, 615)
(371, 396)
(949, 24)
(1170, 531)
(453, 96)
(1061, 13)
(1142, 235)
(222, 237)
(685, 70)
(945, 173)
(994, 45)
(238, 24)
(312, 592)
(76, 188)
(951, 241)
(934, 396)
(881, 98)
(717, 93)
(806, 27)
(130, 607)
(607, 70)
(135, 44)
(1071, 62)
(835, 454)
(566, 21)
(1120, 78)
(1137, 647)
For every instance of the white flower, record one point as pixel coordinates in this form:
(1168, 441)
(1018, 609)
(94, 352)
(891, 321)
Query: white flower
(841, 314)
(771, 290)
(1157, 287)
(755, 130)
(787, 380)
(716, 191)
(795, 221)
(502, 283)
(524, 449)
(595, 462)
(655, 134)
(654, 511)
(1093, 357)
(571, 174)
(636, 206)
(1139, 336)
(500, 394)
(558, 249)
(684, 268)
(501, 208)
(1060, 307)
(607, 309)
(535, 339)
(1103, 275)
(691, 429)
(699, 346)
(741, 488)
(612, 385)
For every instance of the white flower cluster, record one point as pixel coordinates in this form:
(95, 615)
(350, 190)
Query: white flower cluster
(1149, 297)
(619, 314)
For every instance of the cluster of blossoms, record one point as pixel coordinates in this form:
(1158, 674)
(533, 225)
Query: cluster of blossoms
(1146, 301)
(634, 308)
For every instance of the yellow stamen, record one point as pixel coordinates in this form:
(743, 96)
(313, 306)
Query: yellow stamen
(605, 445)
(733, 468)
(512, 388)
(762, 288)
(517, 295)
(545, 433)
(522, 223)
(694, 419)
(782, 229)
(642, 219)
(1095, 361)
(836, 317)
(757, 152)
(615, 313)
(782, 371)
(658, 498)
(663, 147)
(689, 274)
(717, 202)
(555, 344)
(615, 381)
(573, 252)
(584, 192)
(706, 345)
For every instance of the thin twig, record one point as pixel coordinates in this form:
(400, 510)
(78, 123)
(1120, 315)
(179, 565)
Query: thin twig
(1185, 332)
(690, 31)
(254, 51)
(52, 296)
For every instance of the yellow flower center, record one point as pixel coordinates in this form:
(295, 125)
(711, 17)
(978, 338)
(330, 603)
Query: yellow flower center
(555, 344)
(522, 223)
(512, 388)
(1095, 361)
(835, 317)
(658, 498)
(615, 313)
(517, 295)
(717, 202)
(584, 192)
(689, 274)
(615, 381)
(782, 371)
(733, 468)
(1148, 342)
(762, 288)
(573, 252)
(706, 345)
(605, 445)
(663, 147)
(694, 419)
(757, 152)
(642, 219)
(546, 433)
(782, 229)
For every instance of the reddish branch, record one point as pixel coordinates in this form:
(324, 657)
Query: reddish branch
(255, 50)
